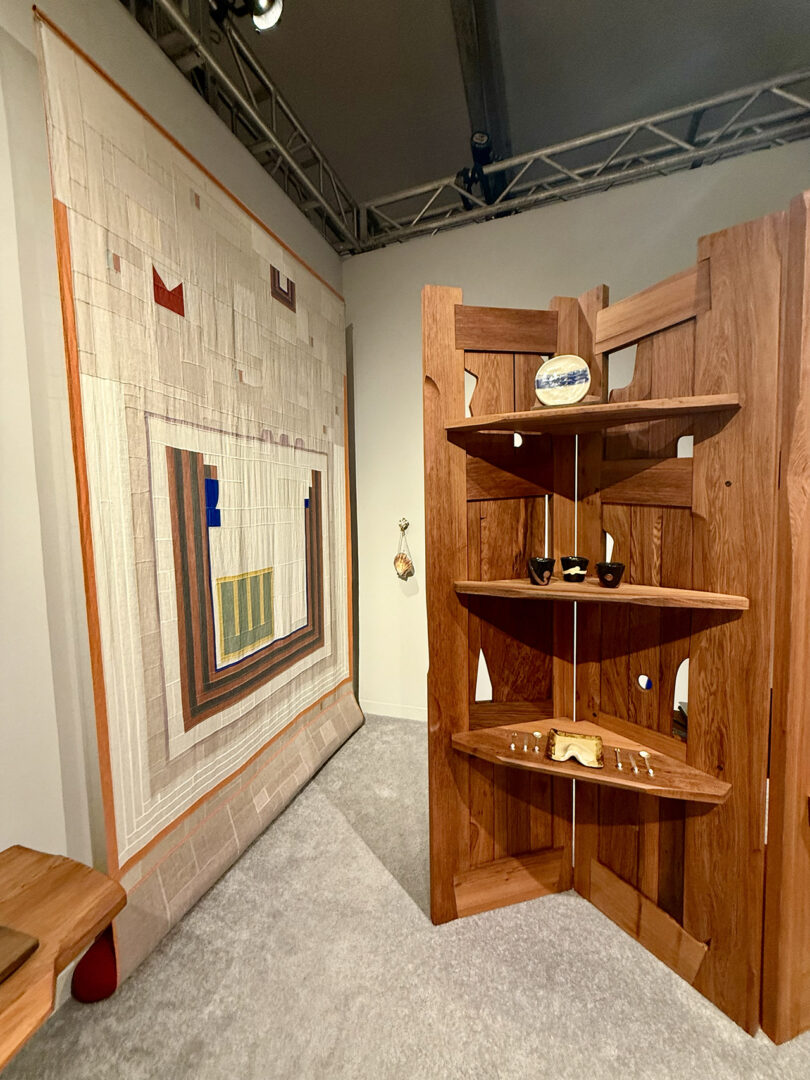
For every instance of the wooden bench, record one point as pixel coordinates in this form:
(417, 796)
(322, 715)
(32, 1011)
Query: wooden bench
(65, 905)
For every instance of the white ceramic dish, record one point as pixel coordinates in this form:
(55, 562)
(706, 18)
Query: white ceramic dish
(562, 380)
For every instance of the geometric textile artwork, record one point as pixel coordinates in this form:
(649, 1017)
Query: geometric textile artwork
(206, 375)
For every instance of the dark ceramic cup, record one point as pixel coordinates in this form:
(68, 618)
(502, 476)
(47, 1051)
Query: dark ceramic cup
(610, 573)
(574, 567)
(540, 570)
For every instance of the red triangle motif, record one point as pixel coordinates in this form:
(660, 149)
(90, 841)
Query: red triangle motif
(168, 298)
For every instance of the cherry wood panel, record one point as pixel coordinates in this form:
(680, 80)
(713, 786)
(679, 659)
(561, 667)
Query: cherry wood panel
(734, 486)
(511, 477)
(647, 482)
(786, 954)
(510, 330)
(647, 923)
(446, 558)
(509, 880)
(577, 529)
(672, 301)
(510, 813)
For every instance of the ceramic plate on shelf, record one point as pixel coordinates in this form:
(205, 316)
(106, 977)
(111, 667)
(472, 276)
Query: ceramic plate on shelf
(562, 380)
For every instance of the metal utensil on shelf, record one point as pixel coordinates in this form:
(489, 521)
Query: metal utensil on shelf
(537, 737)
(512, 744)
(633, 762)
(646, 755)
(618, 758)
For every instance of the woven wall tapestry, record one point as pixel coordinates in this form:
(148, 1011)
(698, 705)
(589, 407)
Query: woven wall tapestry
(206, 368)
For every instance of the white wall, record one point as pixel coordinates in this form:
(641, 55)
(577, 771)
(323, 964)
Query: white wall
(48, 763)
(628, 238)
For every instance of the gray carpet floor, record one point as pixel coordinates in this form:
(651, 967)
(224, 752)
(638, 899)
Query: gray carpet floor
(314, 959)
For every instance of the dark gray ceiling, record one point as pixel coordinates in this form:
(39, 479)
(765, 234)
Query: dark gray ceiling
(583, 65)
(376, 83)
(379, 83)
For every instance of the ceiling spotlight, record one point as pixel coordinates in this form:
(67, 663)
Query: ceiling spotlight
(266, 13)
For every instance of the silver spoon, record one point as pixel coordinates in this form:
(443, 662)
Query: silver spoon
(646, 755)
(618, 759)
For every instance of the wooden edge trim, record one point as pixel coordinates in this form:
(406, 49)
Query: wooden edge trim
(656, 740)
(25, 1015)
(647, 482)
(491, 329)
(643, 920)
(65, 275)
(674, 300)
(509, 881)
(60, 33)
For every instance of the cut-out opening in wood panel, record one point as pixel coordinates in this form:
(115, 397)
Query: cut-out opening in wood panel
(483, 683)
(608, 547)
(621, 367)
(645, 682)
(470, 383)
(680, 700)
(686, 446)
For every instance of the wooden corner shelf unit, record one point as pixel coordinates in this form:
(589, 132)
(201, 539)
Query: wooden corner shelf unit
(716, 548)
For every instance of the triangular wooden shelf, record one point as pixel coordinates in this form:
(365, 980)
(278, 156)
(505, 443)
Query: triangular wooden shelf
(570, 419)
(673, 779)
(590, 591)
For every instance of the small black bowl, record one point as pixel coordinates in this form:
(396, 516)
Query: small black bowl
(574, 567)
(540, 570)
(610, 573)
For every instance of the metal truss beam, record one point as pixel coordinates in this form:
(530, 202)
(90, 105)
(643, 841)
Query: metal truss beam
(751, 118)
(221, 65)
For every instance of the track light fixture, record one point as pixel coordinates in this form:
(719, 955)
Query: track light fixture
(265, 13)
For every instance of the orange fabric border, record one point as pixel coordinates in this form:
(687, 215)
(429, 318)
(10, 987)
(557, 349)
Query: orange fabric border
(65, 274)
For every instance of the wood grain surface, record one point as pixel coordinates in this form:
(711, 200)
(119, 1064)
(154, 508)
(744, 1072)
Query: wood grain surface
(733, 548)
(648, 924)
(510, 330)
(786, 953)
(445, 559)
(62, 904)
(665, 304)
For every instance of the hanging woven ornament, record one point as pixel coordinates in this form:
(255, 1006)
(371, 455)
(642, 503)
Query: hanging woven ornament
(403, 563)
